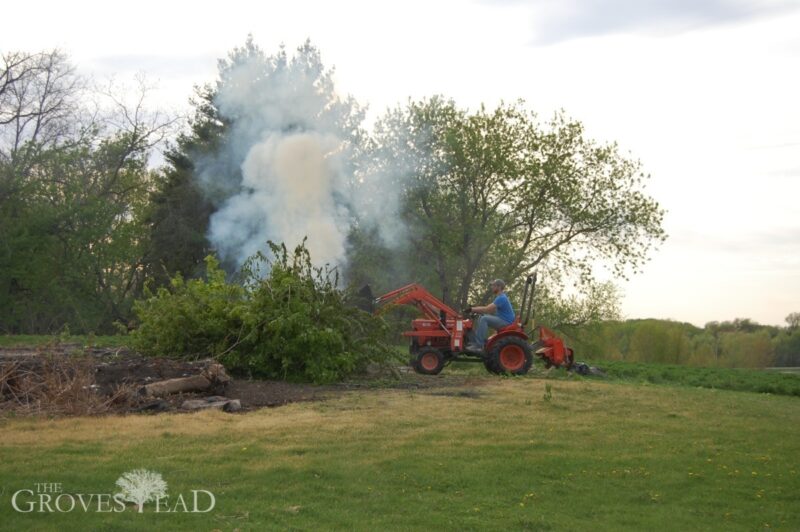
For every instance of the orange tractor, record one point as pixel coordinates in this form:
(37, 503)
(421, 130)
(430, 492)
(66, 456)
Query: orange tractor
(440, 336)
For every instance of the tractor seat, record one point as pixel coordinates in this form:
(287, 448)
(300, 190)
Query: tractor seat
(514, 326)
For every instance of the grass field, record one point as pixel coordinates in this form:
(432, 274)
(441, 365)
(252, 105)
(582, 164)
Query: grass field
(595, 456)
(743, 380)
(746, 380)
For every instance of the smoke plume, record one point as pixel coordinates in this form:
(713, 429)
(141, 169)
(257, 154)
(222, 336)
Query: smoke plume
(287, 167)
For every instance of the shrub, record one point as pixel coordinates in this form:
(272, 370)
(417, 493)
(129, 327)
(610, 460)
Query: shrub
(190, 319)
(284, 319)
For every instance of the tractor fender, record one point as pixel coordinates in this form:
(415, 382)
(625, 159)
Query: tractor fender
(505, 334)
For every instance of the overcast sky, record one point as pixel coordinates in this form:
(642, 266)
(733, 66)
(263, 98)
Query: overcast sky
(705, 92)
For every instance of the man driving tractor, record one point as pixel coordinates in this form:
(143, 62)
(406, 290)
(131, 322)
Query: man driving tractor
(497, 314)
(438, 335)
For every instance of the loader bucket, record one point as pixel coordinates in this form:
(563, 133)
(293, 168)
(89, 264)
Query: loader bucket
(363, 299)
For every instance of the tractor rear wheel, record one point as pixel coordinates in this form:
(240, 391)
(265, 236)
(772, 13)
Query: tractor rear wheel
(428, 361)
(510, 355)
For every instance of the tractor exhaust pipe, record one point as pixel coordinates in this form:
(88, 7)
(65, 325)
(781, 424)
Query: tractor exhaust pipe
(527, 299)
(524, 301)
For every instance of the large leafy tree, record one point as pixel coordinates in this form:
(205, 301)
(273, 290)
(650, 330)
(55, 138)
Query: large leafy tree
(178, 219)
(73, 193)
(494, 193)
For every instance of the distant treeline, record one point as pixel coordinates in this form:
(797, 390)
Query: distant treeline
(734, 344)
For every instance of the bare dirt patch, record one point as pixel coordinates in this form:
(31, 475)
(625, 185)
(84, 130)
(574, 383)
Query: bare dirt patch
(111, 370)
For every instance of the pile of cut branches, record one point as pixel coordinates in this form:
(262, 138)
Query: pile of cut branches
(56, 385)
(284, 319)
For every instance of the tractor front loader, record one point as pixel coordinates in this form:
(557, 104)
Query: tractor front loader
(440, 335)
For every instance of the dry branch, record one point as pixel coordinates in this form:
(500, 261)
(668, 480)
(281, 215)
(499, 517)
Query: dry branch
(56, 385)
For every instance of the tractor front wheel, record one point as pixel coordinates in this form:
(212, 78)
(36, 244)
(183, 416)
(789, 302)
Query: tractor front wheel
(428, 361)
(510, 355)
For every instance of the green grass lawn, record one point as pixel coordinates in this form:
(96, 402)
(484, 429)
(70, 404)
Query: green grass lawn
(750, 380)
(596, 456)
(744, 380)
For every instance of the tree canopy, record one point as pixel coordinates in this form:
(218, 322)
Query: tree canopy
(495, 193)
(74, 188)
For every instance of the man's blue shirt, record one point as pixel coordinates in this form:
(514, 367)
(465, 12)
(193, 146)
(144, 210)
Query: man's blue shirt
(504, 310)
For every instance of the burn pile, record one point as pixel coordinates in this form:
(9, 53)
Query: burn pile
(69, 381)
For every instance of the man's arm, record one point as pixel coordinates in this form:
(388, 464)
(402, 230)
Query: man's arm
(491, 308)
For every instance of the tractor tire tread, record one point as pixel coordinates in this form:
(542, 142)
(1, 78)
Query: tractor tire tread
(493, 358)
(416, 361)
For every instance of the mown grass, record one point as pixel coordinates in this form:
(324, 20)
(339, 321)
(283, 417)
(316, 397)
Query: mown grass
(596, 456)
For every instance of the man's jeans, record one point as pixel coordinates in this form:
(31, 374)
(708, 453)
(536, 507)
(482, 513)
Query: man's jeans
(482, 329)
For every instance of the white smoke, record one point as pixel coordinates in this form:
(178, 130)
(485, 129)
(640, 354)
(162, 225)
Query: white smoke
(287, 195)
(286, 170)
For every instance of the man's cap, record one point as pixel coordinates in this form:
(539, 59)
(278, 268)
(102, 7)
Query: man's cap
(498, 282)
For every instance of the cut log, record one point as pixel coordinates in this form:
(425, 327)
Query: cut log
(195, 383)
(223, 403)
(213, 375)
(216, 373)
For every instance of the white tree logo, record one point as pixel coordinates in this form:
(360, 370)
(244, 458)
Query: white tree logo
(140, 486)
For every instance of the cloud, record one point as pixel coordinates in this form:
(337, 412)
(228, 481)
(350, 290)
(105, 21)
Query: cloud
(787, 173)
(158, 65)
(562, 20)
(780, 244)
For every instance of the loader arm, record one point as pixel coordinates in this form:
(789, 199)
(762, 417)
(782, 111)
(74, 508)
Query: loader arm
(418, 296)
